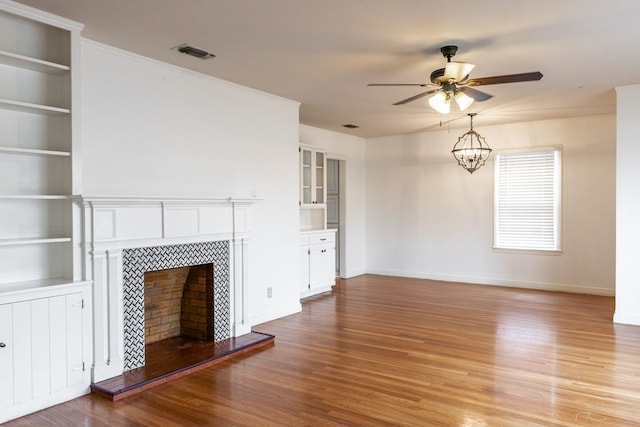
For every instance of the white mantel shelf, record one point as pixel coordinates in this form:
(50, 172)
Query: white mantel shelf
(150, 221)
(119, 200)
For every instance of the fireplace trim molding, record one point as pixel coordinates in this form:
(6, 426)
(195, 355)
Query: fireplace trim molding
(112, 224)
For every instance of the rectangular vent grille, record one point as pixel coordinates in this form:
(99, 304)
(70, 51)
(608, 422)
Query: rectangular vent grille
(194, 51)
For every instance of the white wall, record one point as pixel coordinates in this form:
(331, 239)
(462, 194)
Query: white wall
(350, 150)
(628, 206)
(428, 217)
(153, 129)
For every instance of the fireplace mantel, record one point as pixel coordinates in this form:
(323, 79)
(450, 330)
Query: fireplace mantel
(112, 224)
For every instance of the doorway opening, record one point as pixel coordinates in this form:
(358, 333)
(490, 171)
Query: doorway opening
(335, 207)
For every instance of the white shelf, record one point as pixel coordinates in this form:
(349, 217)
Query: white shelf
(35, 284)
(33, 241)
(26, 107)
(33, 64)
(33, 152)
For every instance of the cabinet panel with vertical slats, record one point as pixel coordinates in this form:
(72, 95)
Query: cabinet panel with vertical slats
(58, 330)
(75, 365)
(22, 352)
(40, 348)
(6, 356)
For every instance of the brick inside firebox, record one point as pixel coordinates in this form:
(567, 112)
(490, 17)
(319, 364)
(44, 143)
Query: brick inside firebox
(179, 302)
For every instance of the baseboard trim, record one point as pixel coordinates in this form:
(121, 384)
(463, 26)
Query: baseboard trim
(277, 314)
(556, 287)
(25, 408)
(626, 319)
(350, 274)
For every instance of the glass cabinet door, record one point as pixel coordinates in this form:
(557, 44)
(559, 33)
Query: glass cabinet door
(313, 177)
(305, 177)
(319, 178)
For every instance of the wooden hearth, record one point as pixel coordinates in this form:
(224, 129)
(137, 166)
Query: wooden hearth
(176, 357)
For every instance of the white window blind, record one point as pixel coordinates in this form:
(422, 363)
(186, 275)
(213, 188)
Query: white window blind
(527, 200)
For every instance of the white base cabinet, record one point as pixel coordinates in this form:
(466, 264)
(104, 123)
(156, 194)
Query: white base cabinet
(44, 343)
(317, 262)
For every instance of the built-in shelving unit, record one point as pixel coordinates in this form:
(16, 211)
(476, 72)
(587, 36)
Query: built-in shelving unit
(317, 244)
(45, 319)
(38, 125)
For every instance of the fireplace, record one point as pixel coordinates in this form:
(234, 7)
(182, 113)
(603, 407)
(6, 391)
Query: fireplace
(140, 262)
(178, 302)
(128, 238)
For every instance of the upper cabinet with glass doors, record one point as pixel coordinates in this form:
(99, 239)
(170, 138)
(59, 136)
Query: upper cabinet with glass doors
(313, 176)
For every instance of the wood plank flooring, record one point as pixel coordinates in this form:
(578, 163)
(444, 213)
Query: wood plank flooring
(384, 351)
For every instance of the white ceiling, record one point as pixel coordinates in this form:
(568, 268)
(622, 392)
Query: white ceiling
(323, 53)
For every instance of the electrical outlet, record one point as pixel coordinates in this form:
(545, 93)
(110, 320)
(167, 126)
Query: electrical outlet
(269, 292)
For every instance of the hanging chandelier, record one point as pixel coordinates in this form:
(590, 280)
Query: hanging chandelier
(471, 151)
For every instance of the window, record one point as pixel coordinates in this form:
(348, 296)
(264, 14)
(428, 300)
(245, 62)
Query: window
(527, 199)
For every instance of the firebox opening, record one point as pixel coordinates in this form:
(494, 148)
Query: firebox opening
(179, 303)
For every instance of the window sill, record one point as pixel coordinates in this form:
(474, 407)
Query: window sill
(554, 252)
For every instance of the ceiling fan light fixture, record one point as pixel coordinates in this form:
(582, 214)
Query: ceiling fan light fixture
(457, 71)
(452, 81)
(441, 102)
(463, 100)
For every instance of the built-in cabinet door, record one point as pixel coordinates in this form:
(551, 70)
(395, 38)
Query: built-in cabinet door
(313, 177)
(6, 356)
(320, 182)
(43, 349)
(321, 266)
(328, 268)
(306, 194)
(304, 269)
(315, 267)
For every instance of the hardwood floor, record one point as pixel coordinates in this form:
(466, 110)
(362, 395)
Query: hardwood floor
(395, 351)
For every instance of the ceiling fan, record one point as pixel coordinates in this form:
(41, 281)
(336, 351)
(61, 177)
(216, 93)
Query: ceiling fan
(453, 81)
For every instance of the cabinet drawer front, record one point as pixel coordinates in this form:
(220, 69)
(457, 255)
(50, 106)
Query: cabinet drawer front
(322, 238)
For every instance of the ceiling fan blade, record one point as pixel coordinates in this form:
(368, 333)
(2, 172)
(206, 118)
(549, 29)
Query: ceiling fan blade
(413, 98)
(510, 78)
(457, 71)
(475, 94)
(398, 84)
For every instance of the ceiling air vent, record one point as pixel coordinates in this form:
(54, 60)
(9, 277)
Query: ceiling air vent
(194, 51)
